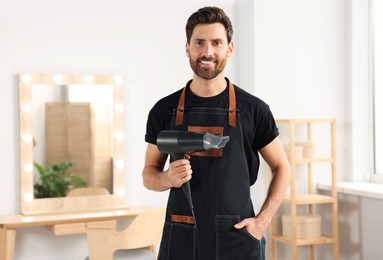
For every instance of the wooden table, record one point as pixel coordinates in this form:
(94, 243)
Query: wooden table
(60, 224)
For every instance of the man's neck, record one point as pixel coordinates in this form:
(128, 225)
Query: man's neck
(208, 88)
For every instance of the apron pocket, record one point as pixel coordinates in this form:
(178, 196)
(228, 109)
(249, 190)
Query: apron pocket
(234, 244)
(177, 242)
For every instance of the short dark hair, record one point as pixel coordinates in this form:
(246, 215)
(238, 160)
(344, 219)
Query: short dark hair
(209, 15)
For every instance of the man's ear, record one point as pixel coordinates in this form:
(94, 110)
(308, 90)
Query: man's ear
(187, 49)
(230, 49)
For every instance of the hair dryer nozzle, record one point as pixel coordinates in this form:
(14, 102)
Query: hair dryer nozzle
(214, 142)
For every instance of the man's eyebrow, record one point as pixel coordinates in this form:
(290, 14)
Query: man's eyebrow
(199, 39)
(218, 40)
(213, 40)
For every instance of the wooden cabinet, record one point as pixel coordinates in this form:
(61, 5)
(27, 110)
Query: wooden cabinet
(310, 145)
(80, 132)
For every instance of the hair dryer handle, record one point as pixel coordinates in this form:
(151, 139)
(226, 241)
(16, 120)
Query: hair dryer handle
(187, 192)
(186, 186)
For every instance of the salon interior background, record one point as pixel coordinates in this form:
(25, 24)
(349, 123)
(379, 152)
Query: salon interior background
(303, 57)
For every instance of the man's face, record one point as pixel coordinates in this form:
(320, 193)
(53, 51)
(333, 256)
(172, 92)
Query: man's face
(208, 50)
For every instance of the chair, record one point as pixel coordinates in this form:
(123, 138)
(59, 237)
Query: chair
(87, 191)
(138, 241)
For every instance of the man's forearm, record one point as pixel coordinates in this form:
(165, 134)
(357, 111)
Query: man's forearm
(277, 189)
(153, 179)
(276, 192)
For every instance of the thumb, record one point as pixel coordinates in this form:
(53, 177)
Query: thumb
(240, 225)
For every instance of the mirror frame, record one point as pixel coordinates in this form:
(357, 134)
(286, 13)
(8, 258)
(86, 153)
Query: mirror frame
(30, 205)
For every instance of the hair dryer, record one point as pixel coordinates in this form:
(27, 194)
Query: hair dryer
(177, 143)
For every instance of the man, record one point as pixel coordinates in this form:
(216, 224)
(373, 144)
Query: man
(220, 180)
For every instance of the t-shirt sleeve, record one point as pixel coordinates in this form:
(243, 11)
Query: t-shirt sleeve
(153, 125)
(159, 118)
(266, 127)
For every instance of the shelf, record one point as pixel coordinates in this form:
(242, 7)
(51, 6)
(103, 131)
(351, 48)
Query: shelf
(312, 160)
(305, 120)
(304, 242)
(314, 135)
(309, 199)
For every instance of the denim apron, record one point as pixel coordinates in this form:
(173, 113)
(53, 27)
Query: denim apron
(220, 190)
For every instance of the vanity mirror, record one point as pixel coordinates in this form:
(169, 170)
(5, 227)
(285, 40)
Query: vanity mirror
(76, 118)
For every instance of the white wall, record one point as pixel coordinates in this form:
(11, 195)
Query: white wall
(289, 53)
(299, 71)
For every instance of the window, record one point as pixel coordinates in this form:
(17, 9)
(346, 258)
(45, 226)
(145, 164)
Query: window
(377, 85)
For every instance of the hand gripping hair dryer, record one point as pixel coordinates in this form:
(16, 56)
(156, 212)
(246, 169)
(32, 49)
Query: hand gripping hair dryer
(178, 143)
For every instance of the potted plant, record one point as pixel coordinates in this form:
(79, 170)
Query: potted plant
(56, 181)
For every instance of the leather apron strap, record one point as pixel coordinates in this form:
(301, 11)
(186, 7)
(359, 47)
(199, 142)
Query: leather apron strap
(232, 106)
(232, 114)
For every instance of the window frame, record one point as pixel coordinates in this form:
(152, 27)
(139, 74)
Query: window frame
(377, 175)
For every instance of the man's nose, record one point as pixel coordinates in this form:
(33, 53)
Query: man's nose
(208, 50)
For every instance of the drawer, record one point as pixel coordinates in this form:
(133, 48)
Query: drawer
(78, 228)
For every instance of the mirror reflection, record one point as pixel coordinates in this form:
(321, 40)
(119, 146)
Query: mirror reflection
(72, 126)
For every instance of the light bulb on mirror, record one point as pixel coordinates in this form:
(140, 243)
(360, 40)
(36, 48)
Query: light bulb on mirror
(119, 136)
(118, 108)
(28, 167)
(119, 164)
(27, 138)
(26, 108)
(28, 197)
(58, 79)
(88, 79)
(26, 78)
(118, 79)
(120, 192)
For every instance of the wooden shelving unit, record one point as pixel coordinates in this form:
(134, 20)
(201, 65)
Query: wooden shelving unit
(310, 199)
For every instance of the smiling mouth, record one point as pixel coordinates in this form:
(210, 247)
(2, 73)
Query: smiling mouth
(206, 62)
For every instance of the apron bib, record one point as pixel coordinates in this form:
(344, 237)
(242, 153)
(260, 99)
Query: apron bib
(220, 190)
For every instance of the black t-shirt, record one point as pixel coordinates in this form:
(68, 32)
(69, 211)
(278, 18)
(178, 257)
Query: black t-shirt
(257, 121)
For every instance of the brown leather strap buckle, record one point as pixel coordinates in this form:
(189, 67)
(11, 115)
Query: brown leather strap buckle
(182, 219)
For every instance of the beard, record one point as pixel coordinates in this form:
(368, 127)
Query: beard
(207, 73)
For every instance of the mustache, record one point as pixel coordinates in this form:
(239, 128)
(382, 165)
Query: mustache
(204, 58)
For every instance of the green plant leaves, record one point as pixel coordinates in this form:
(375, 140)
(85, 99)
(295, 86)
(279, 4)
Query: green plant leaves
(56, 181)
